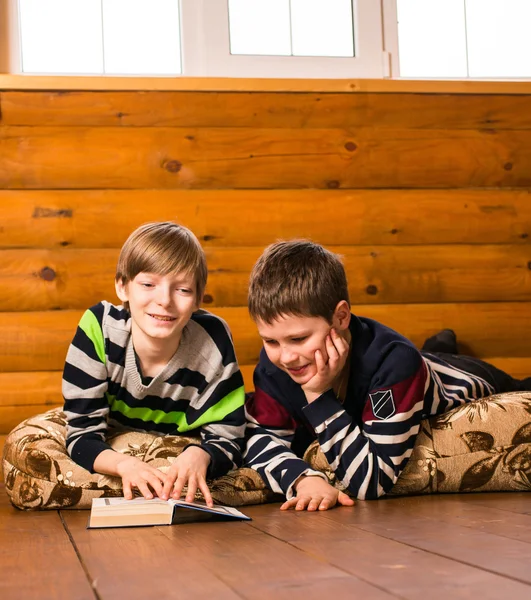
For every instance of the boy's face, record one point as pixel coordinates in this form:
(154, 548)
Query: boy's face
(160, 305)
(290, 342)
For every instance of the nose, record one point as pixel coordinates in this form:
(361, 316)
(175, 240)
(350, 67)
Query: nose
(287, 356)
(164, 296)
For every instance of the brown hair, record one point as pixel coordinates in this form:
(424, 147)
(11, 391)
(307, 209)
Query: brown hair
(297, 277)
(163, 248)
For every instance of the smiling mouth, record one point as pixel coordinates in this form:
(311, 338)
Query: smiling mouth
(162, 318)
(297, 370)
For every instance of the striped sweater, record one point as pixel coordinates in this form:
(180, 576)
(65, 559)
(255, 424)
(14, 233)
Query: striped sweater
(368, 439)
(200, 390)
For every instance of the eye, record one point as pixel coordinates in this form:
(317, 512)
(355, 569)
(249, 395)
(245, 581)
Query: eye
(299, 340)
(270, 342)
(147, 285)
(185, 291)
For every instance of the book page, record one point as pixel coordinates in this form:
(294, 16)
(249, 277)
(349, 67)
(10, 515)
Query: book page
(119, 512)
(122, 501)
(140, 505)
(216, 509)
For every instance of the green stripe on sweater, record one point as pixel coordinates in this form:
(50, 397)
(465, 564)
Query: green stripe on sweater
(90, 325)
(214, 414)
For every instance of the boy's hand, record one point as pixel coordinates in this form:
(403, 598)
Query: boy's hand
(135, 473)
(190, 468)
(314, 493)
(327, 370)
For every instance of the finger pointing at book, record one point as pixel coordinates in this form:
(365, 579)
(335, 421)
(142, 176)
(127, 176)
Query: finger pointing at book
(134, 473)
(189, 469)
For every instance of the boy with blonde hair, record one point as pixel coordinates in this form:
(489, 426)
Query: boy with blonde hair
(158, 363)
(358, 387)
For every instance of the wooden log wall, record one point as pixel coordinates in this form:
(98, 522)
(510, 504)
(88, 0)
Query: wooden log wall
(426, 195)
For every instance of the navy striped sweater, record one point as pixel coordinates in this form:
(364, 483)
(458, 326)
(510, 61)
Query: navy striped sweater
(368, 439)
(200, 390)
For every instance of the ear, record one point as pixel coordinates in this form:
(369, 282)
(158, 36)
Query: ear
(341, 317)
(121, 290)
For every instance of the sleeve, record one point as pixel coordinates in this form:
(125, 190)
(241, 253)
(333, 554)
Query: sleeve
(369, 459)
(223, 437)
(84, 386)
(221, 420)
(270, 432)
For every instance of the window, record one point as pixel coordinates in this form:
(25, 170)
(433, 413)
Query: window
(291, 27)
(120, 37)
(270, 38)
(464, 38)
(283, 32)
(239, 38)
(498, 38)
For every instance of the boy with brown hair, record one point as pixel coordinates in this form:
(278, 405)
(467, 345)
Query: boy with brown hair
(158, 363)
(358, 387)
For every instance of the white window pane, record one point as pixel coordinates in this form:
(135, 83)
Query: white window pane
(322, 28)
(431, 38)
(499, 43)
(260, 27)
(142, 37)
(61, 36)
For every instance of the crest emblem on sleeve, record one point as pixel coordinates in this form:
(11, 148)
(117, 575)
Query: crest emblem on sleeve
(383, 404)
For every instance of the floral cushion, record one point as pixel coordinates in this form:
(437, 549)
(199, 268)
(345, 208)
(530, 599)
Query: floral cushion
(484, 446)
(39, 474)
(481, 446)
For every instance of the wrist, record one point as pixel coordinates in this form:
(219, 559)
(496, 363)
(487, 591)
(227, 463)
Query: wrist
(312, 395)
(122, 463)
(194, 447)
(303, 478)
(297, 481)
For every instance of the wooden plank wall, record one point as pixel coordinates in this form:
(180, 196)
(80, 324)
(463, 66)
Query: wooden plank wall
(426, 195)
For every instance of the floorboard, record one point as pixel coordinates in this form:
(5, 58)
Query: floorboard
(438, 547)
(140, 562)
(398, 519)
(37, 560)
(464, 510)
(261, 566)
(400, 568)
(517, 503)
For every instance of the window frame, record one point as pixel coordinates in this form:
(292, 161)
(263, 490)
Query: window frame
(10, 49)
(200, 59)
(390, 14)
(205, 50)
(201, 19)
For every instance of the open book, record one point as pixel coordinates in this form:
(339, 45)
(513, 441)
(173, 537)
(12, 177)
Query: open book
(119, 512)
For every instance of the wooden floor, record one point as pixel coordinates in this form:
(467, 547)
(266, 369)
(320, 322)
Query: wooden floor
(454, 546)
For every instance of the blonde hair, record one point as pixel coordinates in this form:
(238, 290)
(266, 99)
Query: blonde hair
(296, 277)
(163, 248)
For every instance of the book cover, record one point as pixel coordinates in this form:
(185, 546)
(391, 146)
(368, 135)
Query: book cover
(139, 512)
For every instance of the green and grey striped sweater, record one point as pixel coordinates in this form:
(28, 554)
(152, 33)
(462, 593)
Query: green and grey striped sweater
(200, 389)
